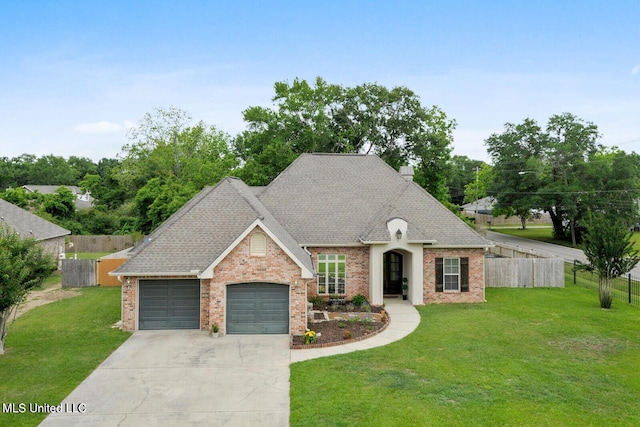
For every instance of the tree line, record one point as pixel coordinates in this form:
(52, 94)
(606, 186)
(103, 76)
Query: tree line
(560, 169)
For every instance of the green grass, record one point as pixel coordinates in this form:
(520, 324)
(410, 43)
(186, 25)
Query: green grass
(528, 357)
(52, 348)
(87, 255)
(545, 234)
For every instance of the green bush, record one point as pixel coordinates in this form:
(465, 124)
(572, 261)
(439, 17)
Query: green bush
(316, 300)
(359, 299)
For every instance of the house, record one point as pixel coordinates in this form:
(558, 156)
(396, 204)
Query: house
(249, 258)
(27, 224)
(83, 200)
(480, 206)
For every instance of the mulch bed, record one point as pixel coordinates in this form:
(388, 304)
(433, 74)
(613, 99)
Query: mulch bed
(348, 323)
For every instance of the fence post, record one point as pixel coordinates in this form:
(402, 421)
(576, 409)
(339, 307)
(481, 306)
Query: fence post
(629, 282)
(574, 271)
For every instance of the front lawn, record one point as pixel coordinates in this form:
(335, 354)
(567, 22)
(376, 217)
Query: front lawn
(52, 348)
(528, 357)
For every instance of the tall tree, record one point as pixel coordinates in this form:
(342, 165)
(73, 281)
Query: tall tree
(170, 159)
(559, 169)
(517, 174)
(23, 265)
(609, 250)
(367, 118)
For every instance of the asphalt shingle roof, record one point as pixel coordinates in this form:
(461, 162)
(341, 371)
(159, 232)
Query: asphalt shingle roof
(320, 199)
(196, 235)
(324, 199)
(28, 224)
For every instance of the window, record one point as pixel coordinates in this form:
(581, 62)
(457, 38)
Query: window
(452, 274)
(258, 245)
(332, 274)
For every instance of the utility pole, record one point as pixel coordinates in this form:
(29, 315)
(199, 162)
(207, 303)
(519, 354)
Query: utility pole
(477, 190)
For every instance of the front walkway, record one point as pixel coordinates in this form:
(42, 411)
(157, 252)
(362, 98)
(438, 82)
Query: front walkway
(403, 319)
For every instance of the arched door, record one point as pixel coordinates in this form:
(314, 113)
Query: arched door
(392, 273)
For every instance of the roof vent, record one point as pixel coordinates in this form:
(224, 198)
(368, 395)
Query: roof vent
(407, 172)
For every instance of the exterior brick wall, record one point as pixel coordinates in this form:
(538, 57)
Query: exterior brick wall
(357, 269)
(476, 276)
(276, 267)
(129, 304)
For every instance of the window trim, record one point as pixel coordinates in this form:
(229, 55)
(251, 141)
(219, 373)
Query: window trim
(326, 260)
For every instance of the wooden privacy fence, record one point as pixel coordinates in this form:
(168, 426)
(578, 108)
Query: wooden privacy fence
(79, 273)
(508, 251)
(105, 266)
(524, 272)
(99, 243)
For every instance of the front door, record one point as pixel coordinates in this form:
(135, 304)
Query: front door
(392, 280)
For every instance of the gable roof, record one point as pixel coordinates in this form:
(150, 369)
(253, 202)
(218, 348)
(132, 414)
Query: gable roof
(194, 238)
(338, 199)
(28, 224)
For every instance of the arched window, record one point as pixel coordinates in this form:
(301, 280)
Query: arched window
(258, 245)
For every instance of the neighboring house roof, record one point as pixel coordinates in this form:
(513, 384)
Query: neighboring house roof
(320, 199)
(483, 206)
(83, 200)
(28, 224)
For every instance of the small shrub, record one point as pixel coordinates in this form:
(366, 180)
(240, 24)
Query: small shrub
(358, 300)
(348, 335)
(316, 300)
(342, 325)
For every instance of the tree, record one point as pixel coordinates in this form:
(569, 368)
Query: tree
(168, 161)
(477, 189)
(157, 201)
(52, 170)
(61, 204)
(462, 171)
(559, 169)
(23, 265)
(609, 250)
(329, 118)
(517, 175)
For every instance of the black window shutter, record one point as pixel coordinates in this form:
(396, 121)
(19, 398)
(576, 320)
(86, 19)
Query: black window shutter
(439, 274)
(464, 274)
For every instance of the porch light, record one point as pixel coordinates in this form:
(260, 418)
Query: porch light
(398, 234)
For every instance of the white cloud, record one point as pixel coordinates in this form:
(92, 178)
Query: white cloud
(98, 127)
(635, 70)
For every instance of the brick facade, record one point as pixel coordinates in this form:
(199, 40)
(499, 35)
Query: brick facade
(476, 276)
(357, 269)
(239, 266)
(276, 267)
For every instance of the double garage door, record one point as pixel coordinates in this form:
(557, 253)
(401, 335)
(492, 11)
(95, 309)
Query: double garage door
(252, 308)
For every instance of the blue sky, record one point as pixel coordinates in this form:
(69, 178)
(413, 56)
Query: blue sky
(75, 74)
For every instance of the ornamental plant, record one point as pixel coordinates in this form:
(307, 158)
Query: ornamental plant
(310, 337)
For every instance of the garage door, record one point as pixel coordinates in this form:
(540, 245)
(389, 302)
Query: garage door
(257, 308)
(169, 304)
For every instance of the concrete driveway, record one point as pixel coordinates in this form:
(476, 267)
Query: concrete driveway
(169, 378)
